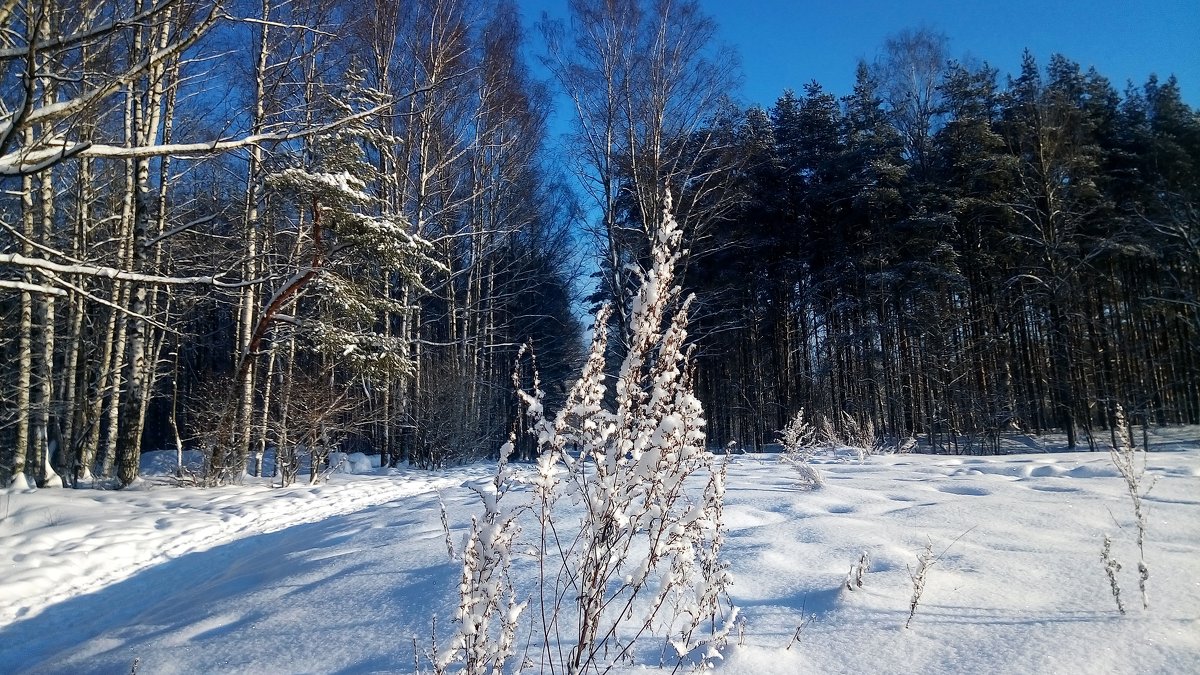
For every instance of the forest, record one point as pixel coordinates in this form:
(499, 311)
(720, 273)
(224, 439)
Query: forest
(282, 228)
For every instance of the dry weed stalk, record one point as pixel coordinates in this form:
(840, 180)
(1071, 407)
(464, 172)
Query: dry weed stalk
(1126, 459)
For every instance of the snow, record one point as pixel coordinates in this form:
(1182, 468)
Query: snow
(342, 576)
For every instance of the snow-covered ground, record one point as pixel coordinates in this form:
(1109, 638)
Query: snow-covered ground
(341, 577)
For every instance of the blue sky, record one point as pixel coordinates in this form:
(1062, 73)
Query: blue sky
(788, 43)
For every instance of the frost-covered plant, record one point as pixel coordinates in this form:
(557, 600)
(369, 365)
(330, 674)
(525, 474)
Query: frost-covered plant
(925, 560)
(804, 621)
(799, 441)
(854, 579)
(859, 436)
(1133, 470)
(645, 559)
(808, 475)
(446, 531)
(488, 610)
(798, 436)
(1111, 569)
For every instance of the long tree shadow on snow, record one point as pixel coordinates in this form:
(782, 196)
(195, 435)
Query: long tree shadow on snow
(309, 597)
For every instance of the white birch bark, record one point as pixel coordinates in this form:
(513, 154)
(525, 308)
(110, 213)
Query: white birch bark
(18, 479)
(46, 475)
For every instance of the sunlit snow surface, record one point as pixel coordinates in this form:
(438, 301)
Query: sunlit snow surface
(339, 578)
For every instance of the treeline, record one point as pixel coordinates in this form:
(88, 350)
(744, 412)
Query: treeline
(947, 255)
(263, 228)
(245, 226)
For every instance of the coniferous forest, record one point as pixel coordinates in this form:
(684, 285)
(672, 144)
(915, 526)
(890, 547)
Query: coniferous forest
(284, 228)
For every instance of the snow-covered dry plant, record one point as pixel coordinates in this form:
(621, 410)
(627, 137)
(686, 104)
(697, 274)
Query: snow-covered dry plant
(925, 560)
(859, 436)
(799, 440)
(858, 571)
(1111, 568)
(1133, 470)
(798, 436)
(488, 610)
(645, 557)
(446, 531)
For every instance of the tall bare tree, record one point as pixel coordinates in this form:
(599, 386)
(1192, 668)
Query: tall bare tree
(646, 79)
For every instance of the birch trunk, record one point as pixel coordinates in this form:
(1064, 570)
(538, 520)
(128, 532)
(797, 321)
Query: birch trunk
(73, 390)
(146, 111)
(265, 417)
(145, 342)
(125, 239)
(46, 476)
(17, 477)
(249, 297)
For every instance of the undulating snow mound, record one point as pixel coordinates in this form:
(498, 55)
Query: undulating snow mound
(342, 577)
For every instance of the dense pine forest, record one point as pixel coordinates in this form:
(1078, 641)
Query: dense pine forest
(951, 255)
(266, 227)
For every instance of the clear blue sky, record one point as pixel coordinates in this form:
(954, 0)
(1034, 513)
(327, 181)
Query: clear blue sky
(787, 43)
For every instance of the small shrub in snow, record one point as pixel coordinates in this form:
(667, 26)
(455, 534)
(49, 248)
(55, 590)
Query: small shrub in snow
(488, 610)
(859, 436)
(809, 476)
(446, 531)
(645, 558)
(799, 441)
(799, 437)
(320, 416)
(798, 632)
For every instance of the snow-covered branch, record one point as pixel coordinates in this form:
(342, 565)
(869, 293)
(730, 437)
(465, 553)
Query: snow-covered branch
(52, 112)
(65, 41)
(24, 161)
(105, 272)
(31, 288)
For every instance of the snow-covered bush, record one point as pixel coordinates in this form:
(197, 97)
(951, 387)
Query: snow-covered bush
(799, 439)
(645, 556)
(925, 560)
(488, 611)
(351, 462)
(859, 436)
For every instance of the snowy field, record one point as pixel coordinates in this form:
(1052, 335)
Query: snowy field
(341, 577)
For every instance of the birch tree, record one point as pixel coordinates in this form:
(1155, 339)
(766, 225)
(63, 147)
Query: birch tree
(644, 79)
